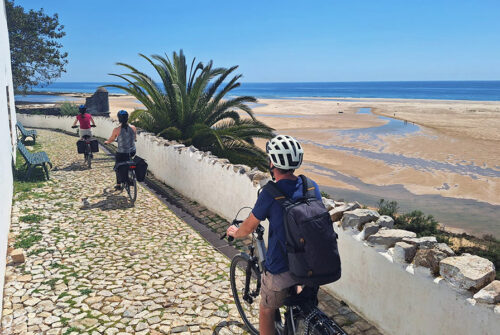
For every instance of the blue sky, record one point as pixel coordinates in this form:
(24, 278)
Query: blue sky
(286, 41)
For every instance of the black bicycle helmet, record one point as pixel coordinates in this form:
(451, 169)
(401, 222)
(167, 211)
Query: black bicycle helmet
(122, 116)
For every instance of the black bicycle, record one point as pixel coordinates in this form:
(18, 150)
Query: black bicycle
(130, 182)
(300, 314)
(87, 154)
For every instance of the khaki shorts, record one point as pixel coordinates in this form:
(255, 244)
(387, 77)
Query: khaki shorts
(274, 289)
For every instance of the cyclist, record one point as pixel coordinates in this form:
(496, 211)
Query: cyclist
(126, 136)
(285, 156)
(85, 120)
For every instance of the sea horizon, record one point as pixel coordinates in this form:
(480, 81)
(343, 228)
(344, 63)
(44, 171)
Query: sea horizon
(472, 90)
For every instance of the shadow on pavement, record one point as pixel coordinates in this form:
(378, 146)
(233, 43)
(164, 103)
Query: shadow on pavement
(75, 166)
(114, 200)
(231, 327)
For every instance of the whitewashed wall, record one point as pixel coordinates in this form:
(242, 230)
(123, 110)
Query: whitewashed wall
(7, 139)
(399, 302)
(395, 300)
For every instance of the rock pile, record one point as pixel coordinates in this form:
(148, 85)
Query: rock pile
(465, 272)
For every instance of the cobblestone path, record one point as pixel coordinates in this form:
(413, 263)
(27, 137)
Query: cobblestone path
(96, 265)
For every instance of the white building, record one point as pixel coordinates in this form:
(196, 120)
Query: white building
(7, 141)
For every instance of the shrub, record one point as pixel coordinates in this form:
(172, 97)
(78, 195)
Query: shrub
(69, 109)
(325, 195)
(387, 207)
(418, 223)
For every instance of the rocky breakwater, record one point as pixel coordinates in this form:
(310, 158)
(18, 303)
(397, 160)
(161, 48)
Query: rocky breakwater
(471, 275)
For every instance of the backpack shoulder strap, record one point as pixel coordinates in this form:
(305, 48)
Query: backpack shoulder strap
(308, 187)
(276, 193)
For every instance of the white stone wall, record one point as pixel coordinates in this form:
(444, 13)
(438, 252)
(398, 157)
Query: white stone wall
(7, 139)
(399, 302)
(387, 295)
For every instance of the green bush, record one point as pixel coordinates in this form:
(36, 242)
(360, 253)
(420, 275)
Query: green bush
(387, 207)
(418, 223)
(69, 109)
(325, 195)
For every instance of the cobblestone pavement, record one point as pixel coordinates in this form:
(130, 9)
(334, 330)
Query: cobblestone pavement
(96, 265)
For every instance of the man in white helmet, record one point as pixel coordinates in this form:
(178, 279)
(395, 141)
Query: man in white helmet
(285, 156)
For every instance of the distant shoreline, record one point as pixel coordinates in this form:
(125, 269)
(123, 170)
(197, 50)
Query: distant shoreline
(312, 98)
(421, 90)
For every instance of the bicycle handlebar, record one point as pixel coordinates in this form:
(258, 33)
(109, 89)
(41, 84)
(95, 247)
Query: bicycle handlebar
(93, 125)
(74, 126)
(230, 238)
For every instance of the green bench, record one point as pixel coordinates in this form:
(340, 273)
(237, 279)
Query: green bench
(26, 133)
(34, 159)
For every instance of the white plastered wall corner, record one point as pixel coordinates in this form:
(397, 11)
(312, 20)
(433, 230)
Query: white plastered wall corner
(7, 142)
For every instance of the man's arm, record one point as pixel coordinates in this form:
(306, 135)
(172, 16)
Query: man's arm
(246, 227)
(92, 120)
(74, 123)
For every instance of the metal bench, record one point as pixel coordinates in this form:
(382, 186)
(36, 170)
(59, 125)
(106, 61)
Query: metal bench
(34, 159)
(26, 133)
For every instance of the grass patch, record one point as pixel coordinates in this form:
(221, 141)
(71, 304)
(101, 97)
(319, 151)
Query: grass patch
(37, 251)
(31, 218)
(27, 238)
(325, 195)
(64, 321)
(58, 266)
(85, 291)
(51, 282)
(72, 329)
(62, 295)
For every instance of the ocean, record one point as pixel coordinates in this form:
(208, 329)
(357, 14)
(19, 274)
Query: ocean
(442, 90)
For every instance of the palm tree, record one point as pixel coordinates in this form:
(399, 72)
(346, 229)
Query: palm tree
(195, 109)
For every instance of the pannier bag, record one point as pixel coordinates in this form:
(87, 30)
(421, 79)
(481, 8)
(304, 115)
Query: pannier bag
(80, 145)
(94, 146)
(311, 242)
(122, 170)
(141, 168)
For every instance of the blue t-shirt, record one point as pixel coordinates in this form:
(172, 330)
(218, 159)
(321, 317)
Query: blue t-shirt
(268, 208)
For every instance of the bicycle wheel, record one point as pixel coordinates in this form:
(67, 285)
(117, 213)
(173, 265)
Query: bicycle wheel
(247, 301)
(132, 186)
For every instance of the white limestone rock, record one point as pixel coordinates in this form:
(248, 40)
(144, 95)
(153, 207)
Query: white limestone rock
(17, 255)
(467, 271)
(490, 294)
(358, 217)
(443, 247)
(370, 228)
(389, 237)
(429, 258)
(385, 221)
(339, 210)
(422, 242)
(329, 203)
(404, 252)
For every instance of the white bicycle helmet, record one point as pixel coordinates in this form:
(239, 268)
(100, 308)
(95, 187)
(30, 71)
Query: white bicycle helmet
(285, 152)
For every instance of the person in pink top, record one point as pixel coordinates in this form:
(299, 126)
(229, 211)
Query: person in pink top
(86, 121)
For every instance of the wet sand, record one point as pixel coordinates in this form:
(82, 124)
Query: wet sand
(446, 154)
(442, 157)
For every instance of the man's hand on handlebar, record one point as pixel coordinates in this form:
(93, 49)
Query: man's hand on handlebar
(74, 126)
(231, 230)
(93, 126)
